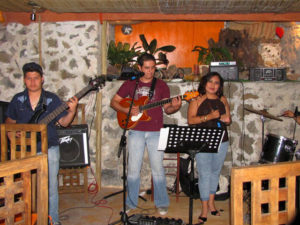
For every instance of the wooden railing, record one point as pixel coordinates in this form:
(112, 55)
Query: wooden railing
(272, 192)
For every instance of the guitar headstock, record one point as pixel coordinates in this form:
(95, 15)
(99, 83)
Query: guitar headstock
(97, 82)
(190, 95)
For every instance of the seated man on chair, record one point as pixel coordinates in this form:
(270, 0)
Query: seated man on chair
(24, 108)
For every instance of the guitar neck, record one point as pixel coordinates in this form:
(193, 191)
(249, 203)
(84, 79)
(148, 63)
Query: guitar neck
(159, 103)
(63, 107)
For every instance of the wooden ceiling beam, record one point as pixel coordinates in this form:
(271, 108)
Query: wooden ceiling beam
(48, 16)
(262, 17)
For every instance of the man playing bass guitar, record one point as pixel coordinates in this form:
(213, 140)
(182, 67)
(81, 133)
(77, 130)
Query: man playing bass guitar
(34, 100)
(146, 132)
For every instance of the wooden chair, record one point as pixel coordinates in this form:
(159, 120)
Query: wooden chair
(70, 178)
(15, 194)
(273, 193)
(23, 146)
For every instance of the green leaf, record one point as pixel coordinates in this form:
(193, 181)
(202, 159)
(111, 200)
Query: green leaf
(152, 46)
(144, 42)
(126, 47)
(167, 48)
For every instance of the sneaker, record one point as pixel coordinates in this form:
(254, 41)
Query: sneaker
(127, 209)
(163, 210)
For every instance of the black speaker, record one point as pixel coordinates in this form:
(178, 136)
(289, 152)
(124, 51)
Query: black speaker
(73, 146)
(3, 108)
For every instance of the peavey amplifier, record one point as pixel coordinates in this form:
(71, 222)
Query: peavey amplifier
(227, 70)
(268, 74)
(73, 146)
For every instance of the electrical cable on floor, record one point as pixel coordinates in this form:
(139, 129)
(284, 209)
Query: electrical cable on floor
(92, 189)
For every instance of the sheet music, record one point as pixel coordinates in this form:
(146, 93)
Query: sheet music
(163, 138)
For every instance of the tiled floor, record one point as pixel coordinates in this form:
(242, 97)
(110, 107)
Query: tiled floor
(75, 209)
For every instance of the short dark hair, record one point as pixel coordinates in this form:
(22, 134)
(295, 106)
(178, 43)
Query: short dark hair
(206, 78)
(145, 57)
(32, 67)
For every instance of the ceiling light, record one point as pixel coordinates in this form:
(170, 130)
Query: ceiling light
(35, 7)
(33, 15)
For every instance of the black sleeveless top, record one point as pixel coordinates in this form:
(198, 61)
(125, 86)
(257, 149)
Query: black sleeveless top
(205, 108)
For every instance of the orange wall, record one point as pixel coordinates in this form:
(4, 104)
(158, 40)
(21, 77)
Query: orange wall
(183, 35)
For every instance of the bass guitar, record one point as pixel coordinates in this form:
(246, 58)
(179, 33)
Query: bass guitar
(143, 107)
(93, 85)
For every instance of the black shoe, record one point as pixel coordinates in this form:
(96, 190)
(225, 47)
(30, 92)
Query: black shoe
(204, 219)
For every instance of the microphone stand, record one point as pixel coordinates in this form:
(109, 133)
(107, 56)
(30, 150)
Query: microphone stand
(122, 148)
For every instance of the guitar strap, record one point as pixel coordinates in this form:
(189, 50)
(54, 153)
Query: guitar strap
(151, 92)
(39, 111)
(44, 106)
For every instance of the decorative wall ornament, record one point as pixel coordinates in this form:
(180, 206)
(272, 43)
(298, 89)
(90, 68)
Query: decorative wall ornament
(279, 32)
(126, 29)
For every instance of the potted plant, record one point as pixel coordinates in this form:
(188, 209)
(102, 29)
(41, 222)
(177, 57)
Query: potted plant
(151, 48)
(121, 54)
(214, 52)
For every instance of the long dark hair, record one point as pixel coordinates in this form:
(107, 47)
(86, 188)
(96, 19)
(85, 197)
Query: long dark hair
(206, 78)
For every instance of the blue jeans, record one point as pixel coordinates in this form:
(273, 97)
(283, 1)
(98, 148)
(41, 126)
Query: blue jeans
(137, 140)
(209, 167)
(53, 167)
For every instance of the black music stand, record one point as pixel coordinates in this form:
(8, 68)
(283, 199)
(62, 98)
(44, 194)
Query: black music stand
(191, 140)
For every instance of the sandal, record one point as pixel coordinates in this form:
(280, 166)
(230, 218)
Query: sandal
(215, 213)
(204, 219)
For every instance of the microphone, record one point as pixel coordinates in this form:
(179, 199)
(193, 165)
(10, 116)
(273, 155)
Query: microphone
(137, 75)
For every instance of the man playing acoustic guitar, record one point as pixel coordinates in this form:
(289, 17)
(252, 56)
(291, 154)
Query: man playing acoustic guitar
(34, 100)
(146, 132)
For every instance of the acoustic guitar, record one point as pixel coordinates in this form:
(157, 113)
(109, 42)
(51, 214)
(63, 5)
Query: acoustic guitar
(143, 107)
